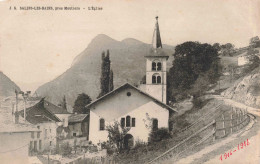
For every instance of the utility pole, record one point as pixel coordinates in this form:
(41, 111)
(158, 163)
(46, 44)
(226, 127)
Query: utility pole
(16, 116)
(25, 96)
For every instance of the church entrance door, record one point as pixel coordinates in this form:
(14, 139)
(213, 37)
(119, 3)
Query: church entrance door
(128, 141)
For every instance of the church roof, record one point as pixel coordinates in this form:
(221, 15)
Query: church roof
(157, 43)
(156, 50)
(125, 86)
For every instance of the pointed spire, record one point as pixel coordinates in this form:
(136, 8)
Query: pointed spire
(157, 43)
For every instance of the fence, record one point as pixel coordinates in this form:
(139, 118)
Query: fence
(231, 121)
(183, 145)
(226, 123)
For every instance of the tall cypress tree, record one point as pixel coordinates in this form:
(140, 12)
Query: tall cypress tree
(105, 74)
(111, 81)
(64, 103)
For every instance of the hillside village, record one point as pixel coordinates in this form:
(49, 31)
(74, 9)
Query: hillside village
(147, 119)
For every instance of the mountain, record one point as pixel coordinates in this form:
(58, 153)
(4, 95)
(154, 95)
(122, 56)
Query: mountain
(127, 63)
(7, 86)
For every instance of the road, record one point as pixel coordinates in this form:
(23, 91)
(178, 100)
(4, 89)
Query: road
(250, 154)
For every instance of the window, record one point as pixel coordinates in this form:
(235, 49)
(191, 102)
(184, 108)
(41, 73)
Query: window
(74, 134)
(156, 79)
(128, 94)
(32, 134)
(38, 134)
(122, 122)
(155, 124)
(159, 66)
(133, 122)
(153, 66)
(50, 130)
(156, 65)
(128, 121)
(40, 144)
(101, 124)
(45, 133)
(35, 146)
(50, 143)
(31, 145)
(38, 127)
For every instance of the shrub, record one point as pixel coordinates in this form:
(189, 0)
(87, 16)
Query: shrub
(111, 149)
(197, 102)
(160, 134)
(65, 149)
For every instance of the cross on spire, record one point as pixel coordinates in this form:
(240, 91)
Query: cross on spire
(157, 43)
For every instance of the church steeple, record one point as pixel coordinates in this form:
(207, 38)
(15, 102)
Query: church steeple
(156, 42)
(156, 68)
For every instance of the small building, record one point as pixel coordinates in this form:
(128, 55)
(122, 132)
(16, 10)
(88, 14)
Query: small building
(242, 60)
(59, 112)
(79, 125)
(15, 140)
(47, 124)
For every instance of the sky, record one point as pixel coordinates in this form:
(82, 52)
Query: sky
(38, 46)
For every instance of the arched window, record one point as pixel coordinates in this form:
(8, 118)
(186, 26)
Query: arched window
(128, 121)
(159, 66)
(122, 122)
(133, 122)
(158, 79)
(154, 79)
(155, 124)
(156, 65)
(153, 66)
(101, 124)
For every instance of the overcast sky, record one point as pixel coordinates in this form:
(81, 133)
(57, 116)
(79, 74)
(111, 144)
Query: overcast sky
(37, 46)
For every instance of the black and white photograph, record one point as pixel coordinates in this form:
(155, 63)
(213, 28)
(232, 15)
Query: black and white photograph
(129, 81)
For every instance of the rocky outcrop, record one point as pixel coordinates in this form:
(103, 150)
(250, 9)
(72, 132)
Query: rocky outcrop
(246, 90)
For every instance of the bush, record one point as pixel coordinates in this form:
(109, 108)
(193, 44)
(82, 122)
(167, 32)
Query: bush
(65, 149)
(109, 147)
(197, 102)
(160, 134)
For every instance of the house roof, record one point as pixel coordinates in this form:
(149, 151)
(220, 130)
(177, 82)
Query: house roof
(39, 114)
(127, 85)
(54, 109)
(77, 118)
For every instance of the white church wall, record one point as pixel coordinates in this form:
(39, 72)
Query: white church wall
(157, 91)
(95, 134)
(140, 132)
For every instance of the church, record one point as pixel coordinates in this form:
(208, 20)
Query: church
(141, 109)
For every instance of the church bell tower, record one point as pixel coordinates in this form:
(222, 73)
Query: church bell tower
(156, 68)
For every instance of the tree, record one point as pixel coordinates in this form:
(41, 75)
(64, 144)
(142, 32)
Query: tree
(191, 60)
(217, 46)
(111, 81)
(80, 103)
(227, 49)
(254, 42)
(64, 103)
(65, 149)
(105, 79)
(116, 134)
